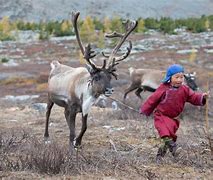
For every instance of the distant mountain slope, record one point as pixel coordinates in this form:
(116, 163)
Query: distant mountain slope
(36, 10)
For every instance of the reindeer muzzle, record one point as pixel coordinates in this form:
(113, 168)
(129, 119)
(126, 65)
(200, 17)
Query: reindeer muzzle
(108, 91)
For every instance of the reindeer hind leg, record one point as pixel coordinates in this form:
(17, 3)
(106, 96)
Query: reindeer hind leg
(49, 107)
(128, 90)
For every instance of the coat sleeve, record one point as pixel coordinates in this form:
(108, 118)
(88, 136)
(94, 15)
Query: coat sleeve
(195, 98)
(151, 103)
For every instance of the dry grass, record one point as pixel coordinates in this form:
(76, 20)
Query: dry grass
(18, 81)
(126, 150)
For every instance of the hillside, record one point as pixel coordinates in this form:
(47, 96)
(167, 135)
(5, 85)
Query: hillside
(37, 10)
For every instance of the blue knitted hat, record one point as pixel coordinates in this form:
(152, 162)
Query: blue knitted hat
(173, 69)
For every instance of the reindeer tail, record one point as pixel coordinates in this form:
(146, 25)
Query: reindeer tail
(54, 64)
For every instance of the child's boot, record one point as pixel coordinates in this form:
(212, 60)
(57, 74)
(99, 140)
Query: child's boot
(173, 148)
(161, 153)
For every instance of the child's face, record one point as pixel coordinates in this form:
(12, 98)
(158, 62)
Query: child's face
(177, 79)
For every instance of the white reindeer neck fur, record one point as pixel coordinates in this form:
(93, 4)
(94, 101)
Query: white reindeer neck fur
(84, 90)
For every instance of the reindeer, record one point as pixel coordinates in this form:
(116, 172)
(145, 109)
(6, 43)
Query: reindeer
(150, 79)
(77, 89)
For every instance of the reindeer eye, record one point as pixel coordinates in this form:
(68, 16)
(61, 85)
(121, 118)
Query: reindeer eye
(96, 78)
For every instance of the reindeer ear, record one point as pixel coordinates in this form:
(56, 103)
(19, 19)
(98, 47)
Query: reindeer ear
(194, 73)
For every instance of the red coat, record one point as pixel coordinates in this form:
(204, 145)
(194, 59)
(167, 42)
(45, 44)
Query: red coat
(167, 103)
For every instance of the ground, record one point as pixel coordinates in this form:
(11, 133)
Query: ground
(118, 144)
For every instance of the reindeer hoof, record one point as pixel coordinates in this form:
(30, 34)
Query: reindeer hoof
(46, 140)
(76, 145)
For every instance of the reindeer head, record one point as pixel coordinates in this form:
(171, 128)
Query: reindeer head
(101, 83)
(101, 76)
(190, 80)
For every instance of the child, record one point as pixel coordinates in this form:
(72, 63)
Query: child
(167, 102)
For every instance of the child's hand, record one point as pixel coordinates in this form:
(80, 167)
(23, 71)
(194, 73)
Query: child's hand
(206, 94)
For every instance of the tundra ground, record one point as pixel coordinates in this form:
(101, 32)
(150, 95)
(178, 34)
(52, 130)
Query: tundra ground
(119, 143)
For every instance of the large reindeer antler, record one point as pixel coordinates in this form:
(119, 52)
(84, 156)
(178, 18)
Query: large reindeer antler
(87, 51)
(113, 61)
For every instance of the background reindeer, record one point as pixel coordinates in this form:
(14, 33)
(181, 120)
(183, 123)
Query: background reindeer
(77, 89)
(150, 79)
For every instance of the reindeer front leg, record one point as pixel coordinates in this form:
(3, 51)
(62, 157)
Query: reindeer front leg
(70, 115)
(83, 130)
